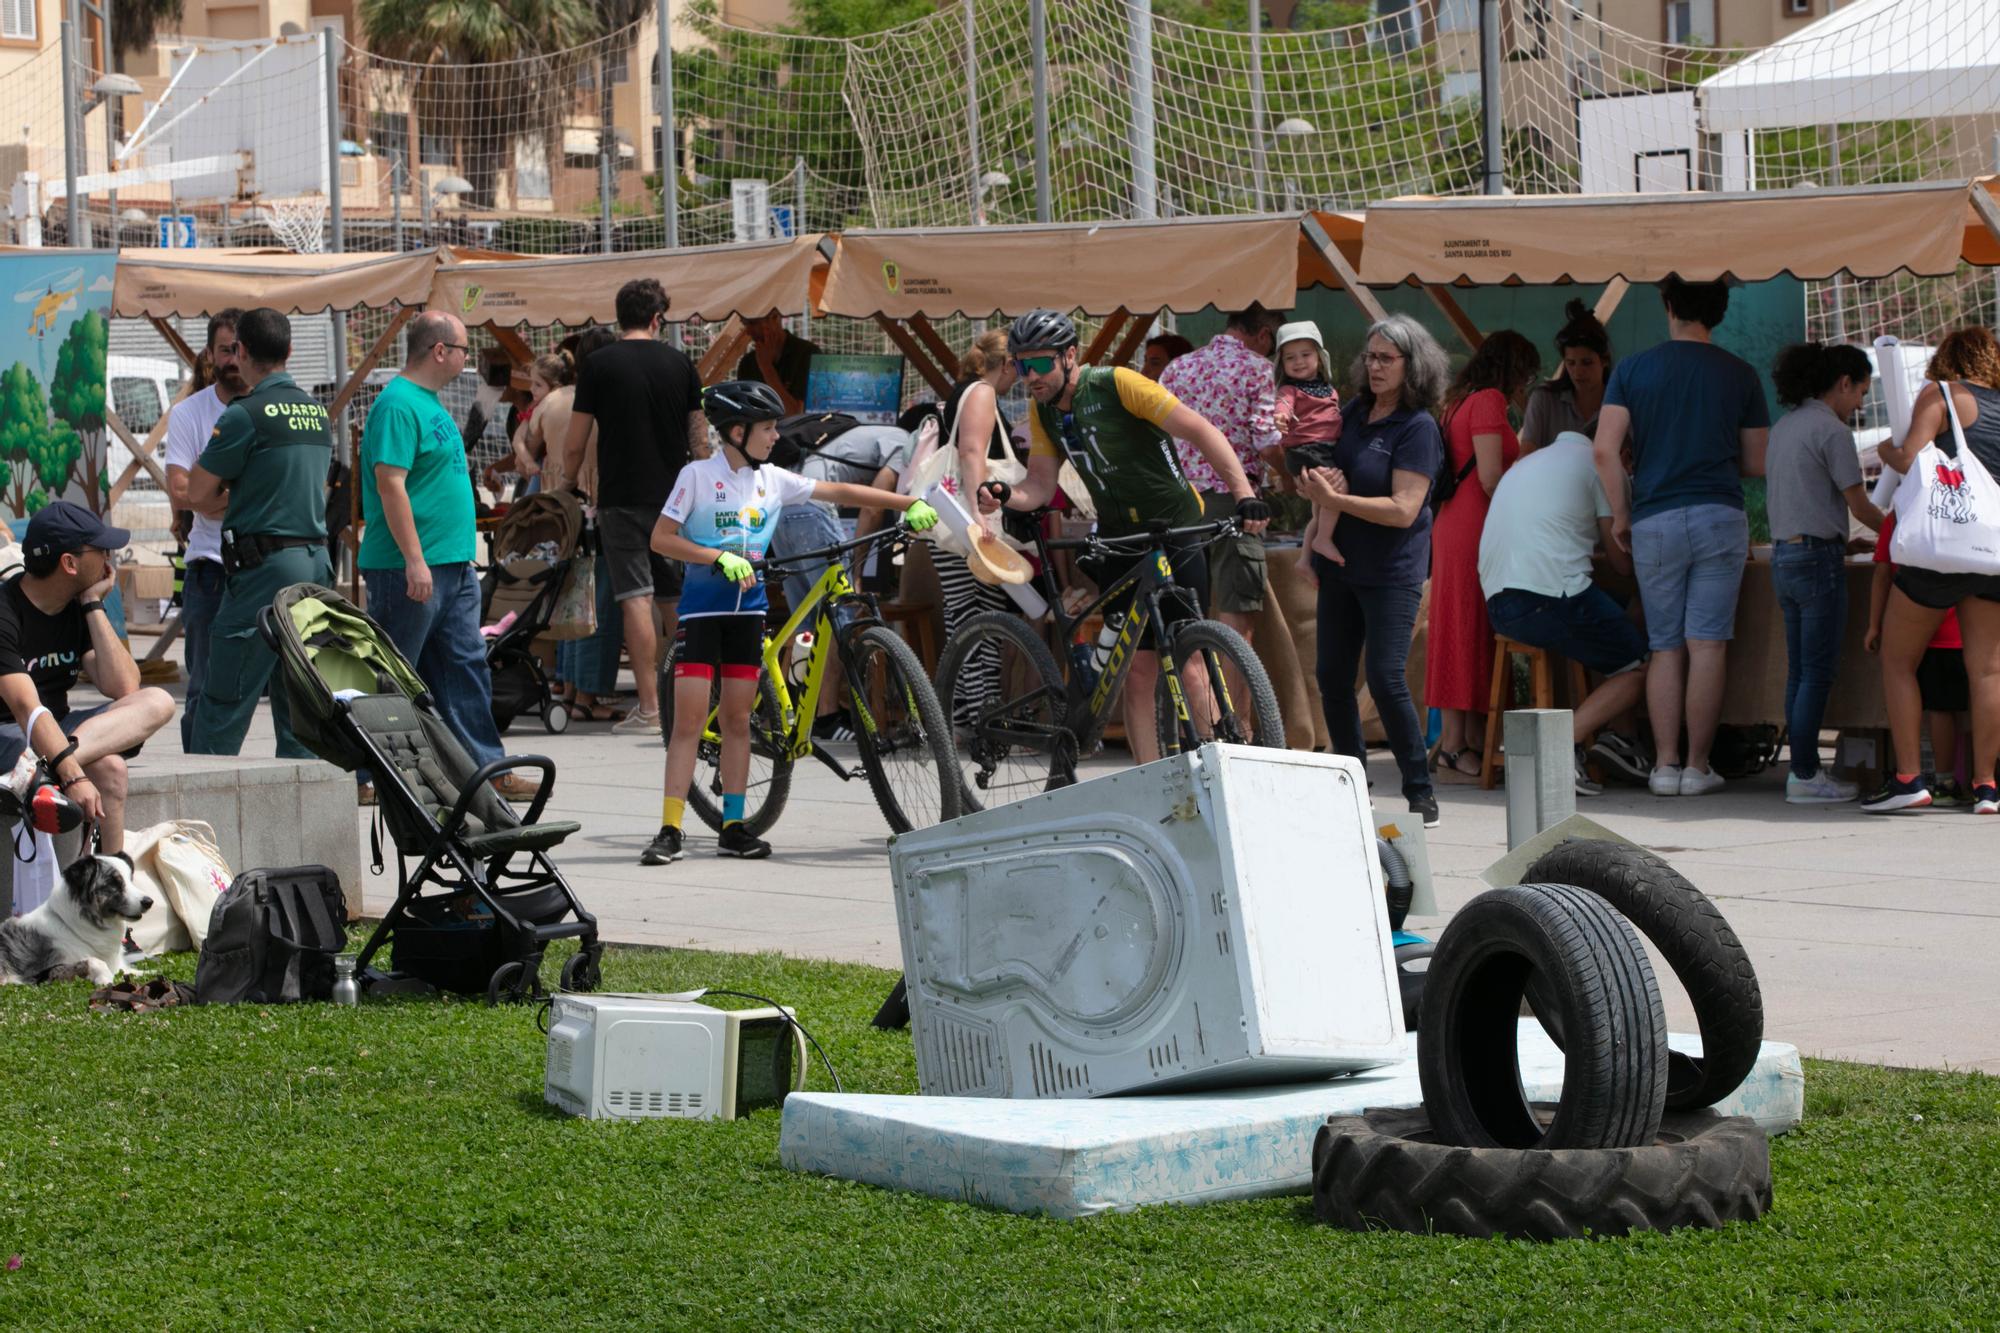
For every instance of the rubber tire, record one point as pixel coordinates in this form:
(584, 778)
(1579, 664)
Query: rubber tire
(1384, 1169)
(581, 971)
(507, 983)
(1468, 1061)
(1706, 957)
(1060, 754)
(1264, 713)
(555, 717)
(765, 718)
(1412, 980)
(930, 713)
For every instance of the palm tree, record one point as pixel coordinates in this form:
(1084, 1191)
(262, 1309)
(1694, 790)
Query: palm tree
(487, 69)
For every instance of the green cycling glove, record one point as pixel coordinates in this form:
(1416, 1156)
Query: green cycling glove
(733, 567)
(920, 517)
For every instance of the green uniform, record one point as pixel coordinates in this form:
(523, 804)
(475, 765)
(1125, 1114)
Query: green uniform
(1113, 434)
(272, 448)
(408, 428)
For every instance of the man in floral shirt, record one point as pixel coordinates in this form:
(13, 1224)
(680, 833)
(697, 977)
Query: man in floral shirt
(1230, 383)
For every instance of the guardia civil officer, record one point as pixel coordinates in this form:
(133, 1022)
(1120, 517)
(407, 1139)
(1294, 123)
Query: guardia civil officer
(270, 452)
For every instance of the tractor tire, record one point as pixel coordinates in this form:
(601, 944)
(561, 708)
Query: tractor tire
(1386, 1169)
(1615, 1067)
(1704, 953)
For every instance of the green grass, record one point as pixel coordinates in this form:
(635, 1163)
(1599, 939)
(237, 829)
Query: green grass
(395, 1167)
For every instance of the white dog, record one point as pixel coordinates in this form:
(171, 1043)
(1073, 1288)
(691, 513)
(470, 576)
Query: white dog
(83, 921)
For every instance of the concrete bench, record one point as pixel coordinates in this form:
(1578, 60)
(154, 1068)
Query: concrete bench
(265, 812)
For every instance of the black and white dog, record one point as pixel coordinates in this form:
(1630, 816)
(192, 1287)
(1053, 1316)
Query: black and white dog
(83, 921)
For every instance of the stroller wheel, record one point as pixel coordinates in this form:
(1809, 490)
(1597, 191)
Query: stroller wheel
(513, 983)
(581, 972)
(555, 717)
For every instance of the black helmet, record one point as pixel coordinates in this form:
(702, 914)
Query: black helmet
(1040, 330)
(736, 402)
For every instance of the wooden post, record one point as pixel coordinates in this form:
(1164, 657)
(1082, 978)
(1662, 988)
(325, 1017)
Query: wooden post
(728, 345)
(174, 340)
(142, 454)
(1131, 342)
(1350, 281)
(918, 357)
(1442, 298)
(147, 455)
(1607, 304)
(1102, 342)
(375, 351)
(946, 358)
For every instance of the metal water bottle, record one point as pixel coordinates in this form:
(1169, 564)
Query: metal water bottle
(346, 990)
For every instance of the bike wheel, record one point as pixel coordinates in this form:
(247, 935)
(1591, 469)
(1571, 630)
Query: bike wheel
(899, 723)
(1243, 712)
(1003, 694)
(770, 780)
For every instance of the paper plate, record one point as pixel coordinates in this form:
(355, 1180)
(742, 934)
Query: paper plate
(994, 562)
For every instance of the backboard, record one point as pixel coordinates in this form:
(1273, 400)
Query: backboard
(266, 99)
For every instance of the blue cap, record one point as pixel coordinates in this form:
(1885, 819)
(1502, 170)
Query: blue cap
(61, 528)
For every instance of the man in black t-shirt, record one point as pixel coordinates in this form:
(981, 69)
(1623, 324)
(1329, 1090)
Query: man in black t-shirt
(53, 628)
(645, 400)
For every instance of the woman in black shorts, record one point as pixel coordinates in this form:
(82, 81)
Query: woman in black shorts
(1968, 361)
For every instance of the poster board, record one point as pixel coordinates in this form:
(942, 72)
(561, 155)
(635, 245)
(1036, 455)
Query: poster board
(54, 338)
(867, 387)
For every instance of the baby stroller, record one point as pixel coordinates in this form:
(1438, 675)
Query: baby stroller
(535, 547)
(484, 900)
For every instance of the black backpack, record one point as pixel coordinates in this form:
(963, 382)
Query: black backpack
(1448, 482)
(272, 938)
(805, 433)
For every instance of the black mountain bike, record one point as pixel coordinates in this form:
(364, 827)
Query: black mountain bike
(1020, 721)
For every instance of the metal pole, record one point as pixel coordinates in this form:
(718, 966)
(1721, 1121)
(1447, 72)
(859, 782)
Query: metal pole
(1258, 169)
(1038, 39)
(1145, 177)
(607, 148)
(670, 205)
(72, 139)
(798, 230)
(336, 240)
(1996, 272)
(111, 105)
(972, 114)
(1489, 94)
(397, 172)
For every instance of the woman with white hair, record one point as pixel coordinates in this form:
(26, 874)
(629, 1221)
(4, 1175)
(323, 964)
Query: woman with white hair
(1379, 489)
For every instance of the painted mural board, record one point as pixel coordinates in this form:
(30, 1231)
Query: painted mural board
(54, 330)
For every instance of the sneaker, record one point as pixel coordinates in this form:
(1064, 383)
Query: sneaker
(1427, 806)
(1897, 795)
(835, 727)
(1585, 784)
(637, 723)
(1700, 782)
(24, 773)
(1949, 792)
(365, 794)
(1665, 780)
(1822, 788)
(664, 848)
(736, 840)
(1622, 756)
(1986, 800)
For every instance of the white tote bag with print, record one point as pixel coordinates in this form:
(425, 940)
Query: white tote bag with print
(1948, 510)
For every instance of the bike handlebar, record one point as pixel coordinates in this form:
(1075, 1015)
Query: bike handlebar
(781, 562)
(1226, 527)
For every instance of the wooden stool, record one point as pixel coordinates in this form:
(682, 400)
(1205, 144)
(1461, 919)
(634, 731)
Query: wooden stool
(1542, 693)
(913, 622)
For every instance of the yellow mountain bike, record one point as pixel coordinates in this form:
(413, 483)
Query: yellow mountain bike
(900, 729)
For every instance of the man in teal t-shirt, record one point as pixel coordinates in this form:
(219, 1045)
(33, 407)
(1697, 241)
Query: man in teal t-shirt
(419, 539)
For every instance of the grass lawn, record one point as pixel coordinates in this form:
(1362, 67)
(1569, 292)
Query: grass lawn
(395, 1167)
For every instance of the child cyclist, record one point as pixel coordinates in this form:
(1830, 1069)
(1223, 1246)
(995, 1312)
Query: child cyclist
(719, 518)
(1308, 419)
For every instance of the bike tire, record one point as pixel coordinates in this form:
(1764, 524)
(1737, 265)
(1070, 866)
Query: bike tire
(770, 783)
(905, 747)
(1010, 737)
(1215, 643)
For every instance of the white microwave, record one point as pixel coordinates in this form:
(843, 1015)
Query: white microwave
(648, 1057)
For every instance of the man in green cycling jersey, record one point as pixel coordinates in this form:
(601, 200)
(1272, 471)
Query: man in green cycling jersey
(1117, 428)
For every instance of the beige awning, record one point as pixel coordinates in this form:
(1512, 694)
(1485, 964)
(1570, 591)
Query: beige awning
(707, 282)
(186, 284)
(1098, 268)
(1869, 231)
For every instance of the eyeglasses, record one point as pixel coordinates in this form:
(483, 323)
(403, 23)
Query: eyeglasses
(1036, 365)
(457, 347)
(1381, 358)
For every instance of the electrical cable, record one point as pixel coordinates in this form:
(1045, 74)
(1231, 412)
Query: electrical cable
(789, 1018)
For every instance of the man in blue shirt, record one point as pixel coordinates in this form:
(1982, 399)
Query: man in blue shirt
(1697, 423)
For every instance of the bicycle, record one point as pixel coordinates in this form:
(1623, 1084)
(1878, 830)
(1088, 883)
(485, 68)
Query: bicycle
(1022, 721)
(904, 742)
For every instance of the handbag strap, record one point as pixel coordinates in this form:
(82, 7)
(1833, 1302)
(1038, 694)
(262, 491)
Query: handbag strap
(1951, 411)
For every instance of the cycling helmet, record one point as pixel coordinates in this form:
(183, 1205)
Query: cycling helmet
(737, 402)
(1040, 330)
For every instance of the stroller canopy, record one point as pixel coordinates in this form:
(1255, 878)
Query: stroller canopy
(328, 646)
(542, 517)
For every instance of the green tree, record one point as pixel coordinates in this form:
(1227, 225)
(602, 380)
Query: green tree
(24, 421)
(77, 394)
(520, 89)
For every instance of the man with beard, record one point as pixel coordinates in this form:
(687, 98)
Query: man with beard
(189, 424)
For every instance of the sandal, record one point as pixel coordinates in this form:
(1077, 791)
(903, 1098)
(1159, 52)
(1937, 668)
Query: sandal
(1445, 764)
(594, 712)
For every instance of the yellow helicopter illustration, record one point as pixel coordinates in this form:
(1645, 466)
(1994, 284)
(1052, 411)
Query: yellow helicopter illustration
(50, 301)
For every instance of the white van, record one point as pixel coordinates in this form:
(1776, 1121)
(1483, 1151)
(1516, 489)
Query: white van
(139, 389)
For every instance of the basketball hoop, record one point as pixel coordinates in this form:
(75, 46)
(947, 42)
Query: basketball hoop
(299, 223)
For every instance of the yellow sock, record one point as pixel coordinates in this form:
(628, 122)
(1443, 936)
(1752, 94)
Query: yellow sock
(671, 808)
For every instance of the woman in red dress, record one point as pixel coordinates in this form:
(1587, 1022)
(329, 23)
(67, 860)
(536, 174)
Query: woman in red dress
(1479, 446)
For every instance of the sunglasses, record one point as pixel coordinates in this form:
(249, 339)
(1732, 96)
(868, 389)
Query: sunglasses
(1036, 365)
